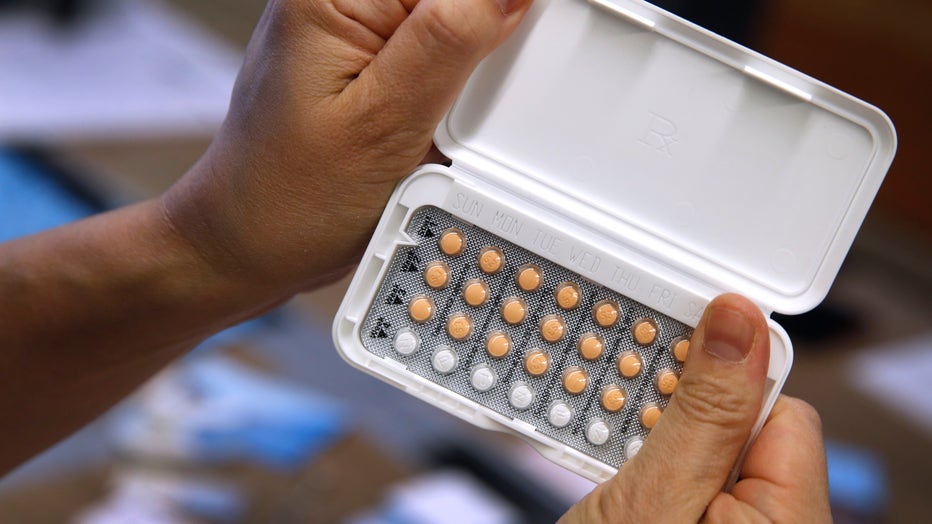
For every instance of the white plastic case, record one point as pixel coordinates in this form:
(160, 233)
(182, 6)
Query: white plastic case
(652, 157)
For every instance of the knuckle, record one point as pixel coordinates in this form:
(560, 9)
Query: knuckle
(712, 402)
(449, 25)
(806, 413)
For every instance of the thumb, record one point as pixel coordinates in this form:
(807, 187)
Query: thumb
(418, 73)
(687, 458)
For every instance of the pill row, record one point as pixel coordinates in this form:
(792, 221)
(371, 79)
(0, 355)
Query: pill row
(521, 395)
(537, 362)
(514, 311)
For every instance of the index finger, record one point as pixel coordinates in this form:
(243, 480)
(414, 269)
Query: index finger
(786, 461)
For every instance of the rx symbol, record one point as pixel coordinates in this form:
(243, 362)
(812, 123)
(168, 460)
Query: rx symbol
(660, 134)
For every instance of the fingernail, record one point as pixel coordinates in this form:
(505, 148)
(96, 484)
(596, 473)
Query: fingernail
(729, 335)
(507, 6)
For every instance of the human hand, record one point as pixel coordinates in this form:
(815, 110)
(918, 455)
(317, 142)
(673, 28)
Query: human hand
(679, 473)
(337, 101)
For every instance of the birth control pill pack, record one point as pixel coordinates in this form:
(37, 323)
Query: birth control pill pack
(614, 168)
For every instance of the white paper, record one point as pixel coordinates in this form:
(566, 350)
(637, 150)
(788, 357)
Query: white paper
(133, 68)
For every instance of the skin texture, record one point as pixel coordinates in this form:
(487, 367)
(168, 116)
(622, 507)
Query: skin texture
(337, 100)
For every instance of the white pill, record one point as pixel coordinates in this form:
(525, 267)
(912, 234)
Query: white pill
(521, 396)
(444, 359)
(597, 432)
(633, 446)
(482, 377)
(406, 341)
(559, 413)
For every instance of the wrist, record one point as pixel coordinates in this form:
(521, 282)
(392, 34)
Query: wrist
(261, 240)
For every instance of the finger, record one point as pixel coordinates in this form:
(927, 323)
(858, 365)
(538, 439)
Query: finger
(726, 509)
(415, 77)
(785, 472)
(690, 452)
(382, 17)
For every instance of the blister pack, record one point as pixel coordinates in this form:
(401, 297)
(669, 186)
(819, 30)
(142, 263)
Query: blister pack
(522, 336)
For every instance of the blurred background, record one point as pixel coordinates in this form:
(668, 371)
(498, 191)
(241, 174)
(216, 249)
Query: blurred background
(105, 102)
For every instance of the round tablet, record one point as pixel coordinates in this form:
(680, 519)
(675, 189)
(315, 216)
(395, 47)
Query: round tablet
(536, 362)
(452, 241)
(567, 295)
(437, 274)
(497, 344)
(482, 377)
(590, 346)
(649, 415)
(559, 413)
(575, 380)
(644, 331)
(444, 359)
(529, 277)
(552, 328)
(491, 260)
(666, 381)
(633, 446)
(597, 432)
(459, 326)
(605, 313)
(629, 364)
(514, 310)
(520, 396)
(613, 398)
(475, 292)
(406, 341)
(421, 308)
(679, 349)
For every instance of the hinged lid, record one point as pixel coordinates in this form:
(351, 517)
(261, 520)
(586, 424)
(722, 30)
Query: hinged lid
(717, 161)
